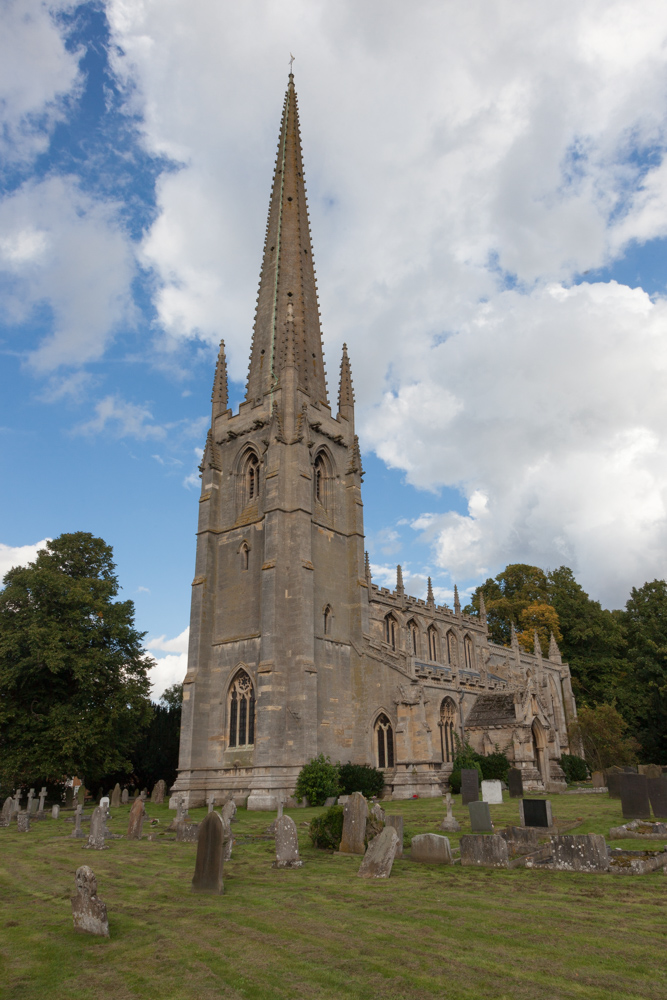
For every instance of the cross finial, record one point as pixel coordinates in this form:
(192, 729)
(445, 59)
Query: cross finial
(291, 64)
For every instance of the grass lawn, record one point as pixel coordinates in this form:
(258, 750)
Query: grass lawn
(321, 932)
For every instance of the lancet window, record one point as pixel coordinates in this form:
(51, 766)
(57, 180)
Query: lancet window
(450, 642)
(241, 711)
(384, 736)
(251, 477)
(322, 475)
(447, 728)
(328, 620)
(390, 630)
(468, 650)
(432, 643)
(413, 632)
(244, 552)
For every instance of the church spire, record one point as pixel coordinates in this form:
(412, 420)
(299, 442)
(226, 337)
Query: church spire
(345, 388)
(429, 593)
(287, 276)
(400, 591)
(219, 394)
(457, 602)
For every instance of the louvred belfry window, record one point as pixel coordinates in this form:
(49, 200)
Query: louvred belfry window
(385, 742)
(241, 711)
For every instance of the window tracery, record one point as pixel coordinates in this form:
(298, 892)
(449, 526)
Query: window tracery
(390, 630)
(447, 728)
(432, 643)
(241, 711)
(384, 736)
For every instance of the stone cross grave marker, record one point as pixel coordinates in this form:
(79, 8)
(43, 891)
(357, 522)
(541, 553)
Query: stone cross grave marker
(535, 812)
(480, 817)
(96, 835)
(484, 852)
(124, 797)
(157, 795)
(492, 792)
(77, 831)
(137, 816)
(42, 797)
(287, 844)
(580, 853)
(31, 796)
(7, 811)
(355, 814)
(657, 793)
(450, 824)
(379, 857)
(515, 783)
(115, 796)
(209, 863)
(89, 913)
(17, 801)
(431, 849)
(397, 822)
(634, 796)
(469, 785)
(55, 811)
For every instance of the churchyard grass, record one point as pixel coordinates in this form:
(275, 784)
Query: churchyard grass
(321, 932)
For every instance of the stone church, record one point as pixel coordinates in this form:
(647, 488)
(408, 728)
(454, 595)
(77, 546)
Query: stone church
(294, 651)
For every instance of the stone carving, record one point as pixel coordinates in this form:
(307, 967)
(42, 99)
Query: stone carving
(287, 844)
(209, 863)
(450, 824)
(42, 797)
(229, 842)
(355, 814)
(430, 848)
(89, 913)
(137, 817)
(97, 829)
(379, 857)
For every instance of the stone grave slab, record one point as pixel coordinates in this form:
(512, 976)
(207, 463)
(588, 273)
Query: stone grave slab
(355, 814)
(397, 823)
(7, 811)
(515, 783)
(639, 829)
(97, 830)
(580, 853)
(492, 792)
(480, 817)
(330, 801)
(23, 821)
(115, 796)
(484, 852)
(657, 793)
(535, 812)
(612, 779)
(431, 849)
(137, 816)
(287, 844)
(521, 840)
(469, 785)
(379, 857)
(622, 862)
(55, 812)
(635, 802)
(89, 913)
(209, 863)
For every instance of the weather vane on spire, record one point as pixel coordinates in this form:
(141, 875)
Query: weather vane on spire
(291, 61)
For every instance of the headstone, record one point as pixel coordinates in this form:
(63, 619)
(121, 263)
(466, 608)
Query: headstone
(42, 797)
(144, 793)
(211, 802)
(77, 831)
(97, 825)
(188, 833)
(124, 797)
(157, 795)
(209, 863)
(634, 796)
(380, 855)
(81, 795)
(287, 844)
(480, 817)
(450, 824)
(7, 811)
(598, 779)
(136, 793)
(228, 811)
(355, 814)
(330, 801)
(431, 849)
(652, 771)
(137, 816)
(88, 911)
(520, 839)
(55, 812)
(69, 797)
(228, 843)
(612, 779)
(396, 821)
(375, 821)
(492, 792)
(469, 785)
(115, 796)
(577, 853)
(657, 793)
(105, 802)
(535, 812)
(515, 783)
(484, 852)
(23, 821)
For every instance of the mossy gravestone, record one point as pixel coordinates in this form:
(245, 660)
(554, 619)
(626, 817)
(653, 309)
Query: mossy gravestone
(89, 913)
(210, 847)
(355, 814)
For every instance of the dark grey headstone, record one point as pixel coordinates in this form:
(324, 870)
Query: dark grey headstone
(380, 855)
(431, 849)
(535, 812)
(469, 785)
(634, 796)
(97, 829)
(657, 793)
(515, 783)
(480, 817)
(209, 863)
(613, 779)
(396, 821)
(89, 913)
(484, 852)
(580, 853)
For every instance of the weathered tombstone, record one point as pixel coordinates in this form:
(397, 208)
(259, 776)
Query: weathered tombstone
(598, 779)
(31, 800)
(69, 797)
(97, 825)
(209, 863)
(431, 849)
(612, 779)
(480, 817)
(188, 833)
(577, 853)
(515, 783)
(634, 796)
(77, 831)
(652, 771)
(105, 802)
(211, 802)
(520, 839)
(484, 852)
(469, 785)
(144, 793)
(380, 855)
(115, 796)
(397, 822)
(287, 844)
(23, 821)
(330, 801)
(450, 824)
(657, 793)
(137, 816)
(375, 821)
(136, 793)
(42, 797)
(125, 797)
(81, 795)
(7, 811)
(157, 795)
(55, 811)
(89, 913)
(228, 811)
(355, 814)
(492, 792)
(535, 812)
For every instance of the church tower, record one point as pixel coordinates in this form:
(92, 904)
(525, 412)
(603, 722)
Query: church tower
(280, 594)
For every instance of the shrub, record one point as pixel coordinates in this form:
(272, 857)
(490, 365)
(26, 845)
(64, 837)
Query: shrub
(455, 776)
(465, 757)
(361, 778)
(317, 780)
(494, 765)
(326, 830)
(575, 768)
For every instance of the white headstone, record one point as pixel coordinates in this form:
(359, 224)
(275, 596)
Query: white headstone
(105, 802)
(492, 792)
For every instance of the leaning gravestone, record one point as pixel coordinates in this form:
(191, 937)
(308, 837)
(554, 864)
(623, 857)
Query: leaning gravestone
(23, 821)
(480, 817)
(380, 855)
(535, 812)
(229, 842)
(97, 825)
(157, 795)
(355, 814)
(397, 823)
(77, 831)
(431, 849)
(484, 852)
(287, 844)
(137, 816)
(89, 913)
(55, 812)
(7, 812)
(450, 824)
(228, 811)
(580, 853)
(634, 796)
(492, 792)
(125, 797)
(115, 796)
(657, 793)
(209, 863)
(515, 783)
(469, 785)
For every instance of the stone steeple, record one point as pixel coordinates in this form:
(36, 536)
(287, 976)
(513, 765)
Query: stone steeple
(219, 395)
(287, 277)
(345, 389)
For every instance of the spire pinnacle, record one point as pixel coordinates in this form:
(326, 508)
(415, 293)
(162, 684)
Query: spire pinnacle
(482, 607)
(345, 388)
(219, 394)
(399, 581)
(457, 603)
(429, 593)
(367, 568)
(537, 648)
(554, 651)
(514, 639)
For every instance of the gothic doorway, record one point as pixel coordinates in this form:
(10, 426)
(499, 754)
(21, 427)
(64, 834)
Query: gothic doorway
(540, 749)
(447, 725)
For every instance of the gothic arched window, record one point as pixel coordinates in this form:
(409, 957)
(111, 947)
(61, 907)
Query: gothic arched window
(241, 711)
(320, 479)
(413, 631)
(384, 736)
(432, 643)
(447, 726)
(251, 477)
(450, 642)
(390, 630)
(468, 650)
(245, 554)
(328, 619)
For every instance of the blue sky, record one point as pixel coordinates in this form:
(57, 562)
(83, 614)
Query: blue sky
(488, 194)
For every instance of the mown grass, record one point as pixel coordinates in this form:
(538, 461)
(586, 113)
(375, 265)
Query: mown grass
(321, 932)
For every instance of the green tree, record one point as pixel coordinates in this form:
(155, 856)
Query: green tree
(507, 595)
(541, 618)
(156, 754)
(318, 780)
(601, 733)
(73, 674)
(644, 688)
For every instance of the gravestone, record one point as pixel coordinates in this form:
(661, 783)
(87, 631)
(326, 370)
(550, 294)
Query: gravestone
(81, 795)
(598, 779)
(375, 821)
(157, 795)
(135, 794)
(32, 804)
(97, 826)
(69, 797)
(380, 855)
(431, 849)
(469, 785)
(520, 839)
(144, 793)
(612, 779)
(535, 812)
(55, 812)
(209, 863)
(397, 823)
(355, 814)
(652, 771)
(287, 844)
(89, 913)
(492, 792)
(330, 801)
(77, 831)
(105, 802)
(42, 797)
(23, 821)
(450, 824)
(634, 796)
(7, 811)
(657, 793)
(515, 783)
(137, 816)
(124, 797)
(229, 842)
(228, 811)
(480, 817)
(115, 796)
(484, 852)
(188, 833)
(580, 853)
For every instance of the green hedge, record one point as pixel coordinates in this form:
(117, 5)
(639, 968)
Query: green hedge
(326, 830)
(361, 778)
(575, 768)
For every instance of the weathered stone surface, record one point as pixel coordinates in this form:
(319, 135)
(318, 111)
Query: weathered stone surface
(209, 863)
(535, 812)
(124, 797)
(69, 797)
(622, 862)
(651, 771)
(262, 802)
(116, 796)
(228, 841)
(397, 823)
(639, 829)
(23, 821)
(634, 796)
(137, 817)
(480, 817)
(157, 795)
(330, 801)
(287, 844)
(484, 852)
(520, 840)
(355, 814)
(89, 913)
(55, 812)
(375, 822)
(379, 857)
(469, 785)
(515, 783)
(598, 779)
(657, 793)
(431, 849)
(7, 811)
(97, 830)
(449, 824)
(228, 811)
(492, 792)
(78, 815)
(188, 832)
(580, 853)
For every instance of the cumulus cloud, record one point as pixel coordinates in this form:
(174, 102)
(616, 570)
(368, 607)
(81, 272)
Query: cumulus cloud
(169, 669)
(18, 555)
(122, 419)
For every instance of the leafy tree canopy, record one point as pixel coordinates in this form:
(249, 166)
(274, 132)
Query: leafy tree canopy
(643, 688)
(601, 733)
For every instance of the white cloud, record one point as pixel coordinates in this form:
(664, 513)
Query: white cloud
(18, 555)
(169, 669)
(122, 419)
